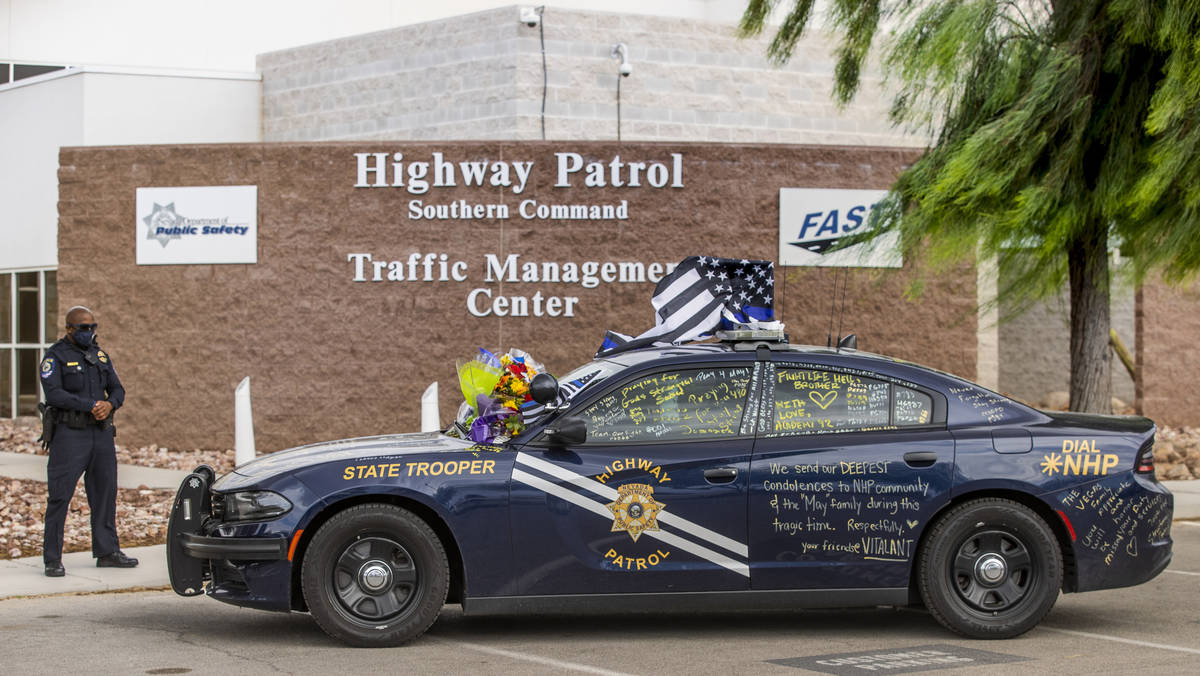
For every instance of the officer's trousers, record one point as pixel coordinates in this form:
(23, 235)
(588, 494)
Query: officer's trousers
(89, 452)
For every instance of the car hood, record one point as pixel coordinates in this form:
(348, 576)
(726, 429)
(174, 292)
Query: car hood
(342, 449)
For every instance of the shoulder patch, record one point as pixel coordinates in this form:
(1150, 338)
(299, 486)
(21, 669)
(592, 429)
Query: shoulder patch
(103, 357)
(47, 367)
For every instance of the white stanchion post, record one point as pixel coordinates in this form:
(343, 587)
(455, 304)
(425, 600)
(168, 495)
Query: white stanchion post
(431, 420)
(243, 424)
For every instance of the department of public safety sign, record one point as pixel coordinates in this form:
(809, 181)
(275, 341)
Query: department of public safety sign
(197, 225)
(812, 221)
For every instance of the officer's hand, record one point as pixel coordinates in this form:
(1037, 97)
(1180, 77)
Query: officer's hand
(101, 410)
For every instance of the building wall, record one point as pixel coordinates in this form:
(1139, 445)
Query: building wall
(37, 120)
(1168, 321)
(227, 34)
(330, 357)
(480, 76)
(1035, 345)
(122, 109)
(101, 107)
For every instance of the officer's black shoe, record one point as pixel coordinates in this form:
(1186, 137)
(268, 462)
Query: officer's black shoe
(116, 560)
(55, 569)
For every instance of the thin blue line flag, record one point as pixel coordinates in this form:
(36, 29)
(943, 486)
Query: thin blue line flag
(701, 295)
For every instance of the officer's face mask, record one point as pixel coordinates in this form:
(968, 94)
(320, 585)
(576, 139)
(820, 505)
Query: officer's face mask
(84, 334)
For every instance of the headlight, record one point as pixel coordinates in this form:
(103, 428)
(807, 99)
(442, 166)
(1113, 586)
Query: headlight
(254, 506)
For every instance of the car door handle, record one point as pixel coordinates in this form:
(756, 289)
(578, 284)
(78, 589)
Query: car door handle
(720, 475)
(920, 458)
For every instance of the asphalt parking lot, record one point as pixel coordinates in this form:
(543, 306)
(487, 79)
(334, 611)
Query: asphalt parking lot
(1154, 628)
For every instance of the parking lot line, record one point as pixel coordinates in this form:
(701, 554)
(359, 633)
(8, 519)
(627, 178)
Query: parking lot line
(1118, 639)
(1183, 572)
(1194, 524)
(548, 661)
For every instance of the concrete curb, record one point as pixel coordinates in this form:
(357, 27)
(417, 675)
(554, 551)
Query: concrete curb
(25, 577)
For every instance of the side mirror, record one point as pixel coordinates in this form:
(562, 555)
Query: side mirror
(566, 432)
(543, 388)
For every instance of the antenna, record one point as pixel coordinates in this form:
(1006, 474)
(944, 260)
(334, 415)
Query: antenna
(832, 304)
(842, 311)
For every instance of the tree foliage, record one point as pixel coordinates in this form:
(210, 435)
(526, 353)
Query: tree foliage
(1059, 127)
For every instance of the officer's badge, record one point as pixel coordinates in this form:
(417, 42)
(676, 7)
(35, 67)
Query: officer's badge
(103, 357)
(47, 367)
(635, 509)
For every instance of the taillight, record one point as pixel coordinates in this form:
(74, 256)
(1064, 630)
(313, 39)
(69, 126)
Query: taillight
(1145, 459)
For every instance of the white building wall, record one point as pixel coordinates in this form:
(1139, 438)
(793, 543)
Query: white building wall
(35, 120)
(101, 107)
(123, 109)
(227, 34)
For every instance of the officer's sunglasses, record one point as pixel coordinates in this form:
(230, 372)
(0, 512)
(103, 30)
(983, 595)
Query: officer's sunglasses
(83, 327)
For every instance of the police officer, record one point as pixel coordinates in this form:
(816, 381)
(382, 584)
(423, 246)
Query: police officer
(82, 391)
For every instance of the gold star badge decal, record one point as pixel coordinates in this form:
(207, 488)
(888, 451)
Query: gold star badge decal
(1050, 463)
(635, 510)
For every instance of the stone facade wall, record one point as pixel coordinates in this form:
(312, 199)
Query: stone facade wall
(479, 76)
(1035, 353)
(330, 357)
(1168, 356)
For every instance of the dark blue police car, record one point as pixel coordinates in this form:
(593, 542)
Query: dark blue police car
(745, 473)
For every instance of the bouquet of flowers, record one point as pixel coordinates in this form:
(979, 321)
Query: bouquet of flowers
(494, 388)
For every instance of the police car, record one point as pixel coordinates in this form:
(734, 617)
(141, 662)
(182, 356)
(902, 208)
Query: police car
(746, 473)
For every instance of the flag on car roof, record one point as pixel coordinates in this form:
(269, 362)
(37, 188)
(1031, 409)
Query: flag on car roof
(701, 295)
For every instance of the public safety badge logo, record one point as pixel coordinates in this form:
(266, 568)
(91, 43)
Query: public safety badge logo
(635, 510)
(163, 224)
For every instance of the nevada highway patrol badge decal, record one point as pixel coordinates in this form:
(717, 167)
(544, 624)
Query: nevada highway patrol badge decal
(635, 510)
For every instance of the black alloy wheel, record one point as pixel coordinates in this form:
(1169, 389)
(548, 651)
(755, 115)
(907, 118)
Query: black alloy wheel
(374, 579)
(375, 575)
(990, 568)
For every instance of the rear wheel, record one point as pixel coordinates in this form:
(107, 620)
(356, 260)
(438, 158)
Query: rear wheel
(990, 569)
(375, 575)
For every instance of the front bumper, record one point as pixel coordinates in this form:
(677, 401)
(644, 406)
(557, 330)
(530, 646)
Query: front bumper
(195, 558)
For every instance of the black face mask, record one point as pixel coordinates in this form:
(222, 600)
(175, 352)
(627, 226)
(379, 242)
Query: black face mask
(83, 338)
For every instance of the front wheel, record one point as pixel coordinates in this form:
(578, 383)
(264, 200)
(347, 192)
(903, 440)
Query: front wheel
(990, 569)
(375, 576)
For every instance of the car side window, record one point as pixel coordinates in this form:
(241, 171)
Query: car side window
(812, 401)
(911, 407)
(690, 404)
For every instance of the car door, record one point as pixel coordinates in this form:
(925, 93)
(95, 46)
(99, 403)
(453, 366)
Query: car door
(845, 475)
(654, 501)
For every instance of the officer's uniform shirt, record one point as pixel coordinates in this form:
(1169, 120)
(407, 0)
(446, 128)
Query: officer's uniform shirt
(74, 380)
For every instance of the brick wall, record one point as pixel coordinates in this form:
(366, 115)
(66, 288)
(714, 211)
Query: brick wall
(330, 357)
(1167, 356)
(479, 76)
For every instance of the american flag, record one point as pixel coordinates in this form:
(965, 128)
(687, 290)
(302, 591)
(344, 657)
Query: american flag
(701, 295)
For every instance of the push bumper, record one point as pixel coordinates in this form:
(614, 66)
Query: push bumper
(190, 552)
(242, 549)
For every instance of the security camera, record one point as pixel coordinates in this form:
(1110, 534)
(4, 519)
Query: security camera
(531, 16)
(621, 51)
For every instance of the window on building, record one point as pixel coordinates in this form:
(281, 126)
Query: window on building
(28, 325)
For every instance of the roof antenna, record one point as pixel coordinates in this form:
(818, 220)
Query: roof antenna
(842, 311)
(832, 304)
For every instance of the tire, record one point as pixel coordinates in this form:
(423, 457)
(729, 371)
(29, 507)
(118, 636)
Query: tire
(990, 569)
(375, 576)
